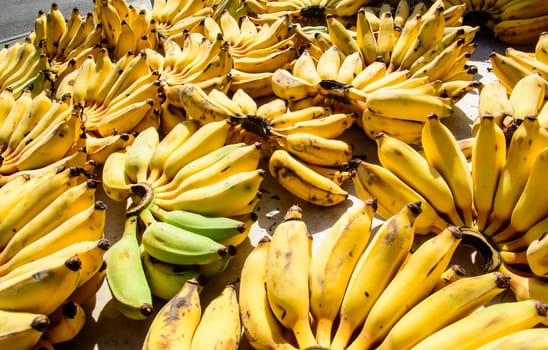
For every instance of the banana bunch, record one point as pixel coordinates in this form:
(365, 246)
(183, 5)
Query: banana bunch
(51, 256)
(363, 287)
(515, 64)
(185, 323)
(66, 41)
(39, 131)
(25, 67)
(512, 21)
(173, 17)
(116, 97)
(125, 28)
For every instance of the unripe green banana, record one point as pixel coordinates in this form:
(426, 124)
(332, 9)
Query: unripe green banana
(175, 245)
(125, 274)
(216, 228)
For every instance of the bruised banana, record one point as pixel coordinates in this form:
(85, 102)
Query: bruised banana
(303, 182)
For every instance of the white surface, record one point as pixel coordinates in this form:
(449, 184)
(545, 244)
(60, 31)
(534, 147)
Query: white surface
(108, 329)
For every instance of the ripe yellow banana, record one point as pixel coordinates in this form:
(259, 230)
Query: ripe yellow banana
(261, 328)
(507, 70)
(287, 269)
(21, 330)
(289, 87)
(529, 60)
(333, 262)
(528, 209)
(520, 31)
(492, 322)
(372, 180)
(408, 131)
(175, 323)
(368, 279)
(329, 63)
(220, 326)
(443, 153)
(303, 182)
(443, 307)
(412, 168)
(66, 322)
(116, 184)
(528, 95)
(536, 256)
(412, 283)
(494, 100)
(488, 158)
(524, 339)
(526, 142)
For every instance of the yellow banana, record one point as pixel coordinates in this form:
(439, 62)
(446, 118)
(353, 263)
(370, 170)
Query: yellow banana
(408, 131)
(288, 293)
(408, 34)
(453, 273)
(289, 87)
(536, 256)
(526, 339)
(303, 182)
(528, 60)
(507, 70)
(329, 63)
(99, 149)
(351, 66)
(412, 283)
(521, 242)
(526, 142)
(372, 180)
(288, 118)
(55, 27)
(371, 73)
(488, 158)
(115, 182)
(139, 153)
(333, 262)
(520, 31)
(386, 37)
(412, 168)
(222, 313)
(494, 100)
(487, 324)
(541, 48)
(21, 330)
(527, 96)
(443, 153)
(304, 67)
(361, 291)
(329, 127)
(201, 107)
(443, 307)
(70, 322)
(175, 323)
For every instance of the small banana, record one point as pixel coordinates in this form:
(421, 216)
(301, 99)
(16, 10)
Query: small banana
(426, 265)
(333, 262)
(139, 154)
(536, 256)
(220, 326)
(66, 322)
(291, 88)
(175, 323)
(303, 182)
(492, 322)
(115, 182)
(287, 270)
(528, 95)
(368, 279)
(125, 275)
(21, 330)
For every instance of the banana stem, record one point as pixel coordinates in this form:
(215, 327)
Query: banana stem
(147, 217)
(144, 192)
(489, 253)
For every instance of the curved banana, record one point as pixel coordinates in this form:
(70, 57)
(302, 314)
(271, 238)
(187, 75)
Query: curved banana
(116, 184)
(21, 330)
(139, 154)
(361, 291)
(333, 262)
(125, 275)
(528, 95)
(70, 322)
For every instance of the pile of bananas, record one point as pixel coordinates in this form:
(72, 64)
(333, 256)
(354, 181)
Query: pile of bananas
(499, 193)
(183, 322)
(364, 289)
(51, 255)
(194, 195)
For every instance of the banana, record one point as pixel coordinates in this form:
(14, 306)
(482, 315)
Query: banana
(370, 74)
(130, 290)
(206, 139)
(408, 131)
(527, 96)
(67, 204)
(109, 17)
(524, 339)
(55, 27)
(329, 127)
(405, 104)
(86, 293)
(21, 330)
(488, 158)
(426, 265)
(240, 189)
(100, 148)
(521, 31)
(333, 262)
(175, 245)
(288, 118)
(216, 228)
(71, 320)
(287, 292)
(386, 37)
(507, 70)
(407, 36)
(175, 323)
(528, 139)
(74, 22)
(541, 48)
(30, 206)
(289, 87)
(373, 180)
(87, 225)
(222, 313)
(412, 168)
(528, 60)
(521, 242)
(368, 280)
(536, 255)
(443, 153)
(527, 210)
(139, 153)
(30, 292)
(487, 324)
(164, 279)
(303, 182)
(304, 67)
(494, 100)
(453, 273)
(443, 307)
(20, 108)
(329, 63)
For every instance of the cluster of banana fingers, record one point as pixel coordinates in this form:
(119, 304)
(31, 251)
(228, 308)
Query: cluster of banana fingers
(190, 199)
(366, 287)
(184, 323)
(51, 255)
